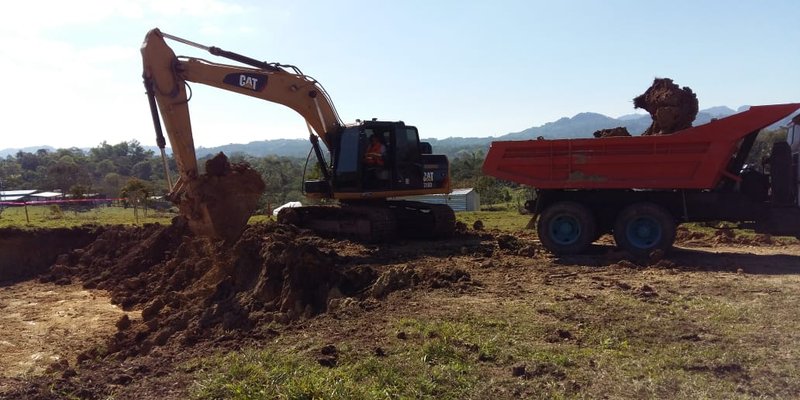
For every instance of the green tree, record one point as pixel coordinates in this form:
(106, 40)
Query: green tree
(491, 190)
(79, 191)
(135, 192)
(142, 170)
(763, 145)
(66, 172)
(112, 183)
(465, 169)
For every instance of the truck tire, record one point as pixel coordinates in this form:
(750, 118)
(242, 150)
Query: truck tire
(643, 228)
(566, 228)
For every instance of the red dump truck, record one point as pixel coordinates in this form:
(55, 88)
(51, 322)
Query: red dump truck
(641, 187)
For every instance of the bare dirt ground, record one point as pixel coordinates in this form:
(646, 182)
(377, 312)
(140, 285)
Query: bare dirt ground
(42, 324)
(717, 316)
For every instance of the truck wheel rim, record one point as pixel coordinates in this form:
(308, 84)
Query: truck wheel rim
(565, 229)
(643, 232)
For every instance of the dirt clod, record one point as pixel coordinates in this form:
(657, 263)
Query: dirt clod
(392, 280)
(123, 323)
(646, 291)
(559, 335)
(671, 107)
(329, 356)
(611, 132)
(526, 251)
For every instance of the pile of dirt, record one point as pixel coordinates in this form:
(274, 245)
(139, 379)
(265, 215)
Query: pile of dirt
(728, 236)
(190, 288)
(219, 202)
(671, 107)
(685, 236)
(723, 237)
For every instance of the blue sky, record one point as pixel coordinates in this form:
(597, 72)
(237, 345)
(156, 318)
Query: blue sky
(452, 68)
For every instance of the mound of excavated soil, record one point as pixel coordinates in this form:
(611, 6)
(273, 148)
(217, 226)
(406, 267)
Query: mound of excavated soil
(191, 289)
(194, 289)
(724, 237)
(671, 107)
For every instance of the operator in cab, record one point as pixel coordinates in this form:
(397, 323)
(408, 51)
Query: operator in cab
(374, 156)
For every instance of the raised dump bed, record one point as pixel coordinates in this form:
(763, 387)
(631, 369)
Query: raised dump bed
(694, 158)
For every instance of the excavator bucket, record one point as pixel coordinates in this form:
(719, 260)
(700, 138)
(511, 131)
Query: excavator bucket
(219, 203)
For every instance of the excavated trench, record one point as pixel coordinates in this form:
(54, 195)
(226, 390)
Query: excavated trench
(26, 253)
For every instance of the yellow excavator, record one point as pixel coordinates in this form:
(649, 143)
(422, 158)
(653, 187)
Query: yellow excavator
(219, 202)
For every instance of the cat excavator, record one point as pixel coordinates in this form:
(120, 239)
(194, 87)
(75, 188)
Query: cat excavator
(219, 202)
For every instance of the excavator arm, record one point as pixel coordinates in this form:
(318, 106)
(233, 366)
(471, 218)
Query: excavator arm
(166, 75)
(219, 205)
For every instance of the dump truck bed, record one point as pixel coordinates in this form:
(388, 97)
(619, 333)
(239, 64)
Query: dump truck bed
(694, 158)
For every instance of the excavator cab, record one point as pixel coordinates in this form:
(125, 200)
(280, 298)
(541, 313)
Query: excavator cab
(407, 164)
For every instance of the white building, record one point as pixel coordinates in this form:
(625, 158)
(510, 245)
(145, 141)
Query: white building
(466, 199)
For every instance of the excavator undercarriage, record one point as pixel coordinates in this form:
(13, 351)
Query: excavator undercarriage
(374, 221)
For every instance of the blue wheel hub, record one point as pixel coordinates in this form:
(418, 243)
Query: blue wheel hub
(643, 232)
(565, 229)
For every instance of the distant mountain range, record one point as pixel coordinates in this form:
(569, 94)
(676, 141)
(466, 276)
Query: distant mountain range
(582, 125)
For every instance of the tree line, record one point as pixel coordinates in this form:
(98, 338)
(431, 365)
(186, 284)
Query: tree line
(124, 168)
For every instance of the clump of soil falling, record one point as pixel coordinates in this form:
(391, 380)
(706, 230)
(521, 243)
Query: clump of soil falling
(191, 289)
(672, 108)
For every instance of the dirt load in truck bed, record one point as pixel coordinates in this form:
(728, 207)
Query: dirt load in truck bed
(672, 108)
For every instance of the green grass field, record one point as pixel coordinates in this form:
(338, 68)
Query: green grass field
(504, 220)
(55, 217)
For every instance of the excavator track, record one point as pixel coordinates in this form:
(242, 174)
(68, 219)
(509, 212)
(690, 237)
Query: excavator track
(423, 220)
(363, 223)
(374, 221)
